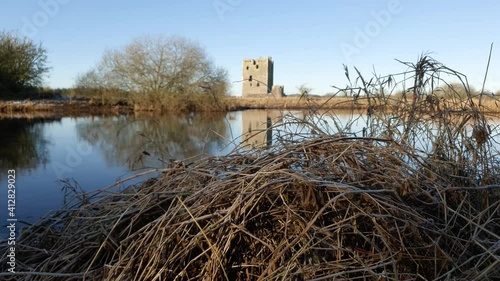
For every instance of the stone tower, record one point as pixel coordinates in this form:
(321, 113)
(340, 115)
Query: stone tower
(257, 77)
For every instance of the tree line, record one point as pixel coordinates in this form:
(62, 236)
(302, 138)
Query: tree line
(153, 69)
(23, 63)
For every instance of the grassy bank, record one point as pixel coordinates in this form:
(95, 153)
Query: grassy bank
(488, 103)
(207, 104)
(241, 103)
(108, 101)
(61, 107)
(179, 105)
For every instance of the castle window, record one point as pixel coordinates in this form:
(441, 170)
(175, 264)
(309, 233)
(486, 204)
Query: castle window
(247, 67)
(258, 84)
(250, 78)
(253, 62)
(257, 66)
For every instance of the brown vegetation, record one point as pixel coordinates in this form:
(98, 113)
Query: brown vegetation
(241, 103)
(61, 107)
(413, 196)
(326, 208)
(489, 104)
(205, 102)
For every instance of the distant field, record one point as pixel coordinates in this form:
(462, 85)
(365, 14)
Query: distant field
(489, 104)
(295, 103)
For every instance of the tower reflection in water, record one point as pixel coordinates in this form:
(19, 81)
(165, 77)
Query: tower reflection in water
(258, 127)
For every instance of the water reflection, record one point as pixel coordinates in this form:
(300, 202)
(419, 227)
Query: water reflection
(143, 141)
(257, 127)
(265, 128)
(97, 151)
(22, 143)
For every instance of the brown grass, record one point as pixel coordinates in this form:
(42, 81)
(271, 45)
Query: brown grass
(327, 208)
(489, 104)
(414, 196)
(239, 103)
(207, 104)
(61, 107)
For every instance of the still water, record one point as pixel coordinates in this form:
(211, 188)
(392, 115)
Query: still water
(95, 152)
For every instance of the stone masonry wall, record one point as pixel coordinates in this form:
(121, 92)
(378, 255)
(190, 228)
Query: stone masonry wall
(257, 77)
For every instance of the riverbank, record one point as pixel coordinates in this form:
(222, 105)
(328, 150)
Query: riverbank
(224, 104)
(66, 107)
(487, 104)
(71, 107)
(242, 103)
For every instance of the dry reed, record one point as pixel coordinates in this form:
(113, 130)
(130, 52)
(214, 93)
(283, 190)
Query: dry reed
(376, 206)
(345, 208)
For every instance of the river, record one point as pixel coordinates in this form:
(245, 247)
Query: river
(94, 152)
(52, 157)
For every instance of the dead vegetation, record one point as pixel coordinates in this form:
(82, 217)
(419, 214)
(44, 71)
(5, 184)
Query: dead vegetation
(68, 107)
(291, 103)
(322, 209)
(414, 195)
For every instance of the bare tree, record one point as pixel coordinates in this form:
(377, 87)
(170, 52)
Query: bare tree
(456, 90)
(157, 65)
(90, 80)
(303, 90)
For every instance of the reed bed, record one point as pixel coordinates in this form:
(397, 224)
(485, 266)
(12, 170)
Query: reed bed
(414, 195)
(324, 209)
(61, 107)
(290, 103)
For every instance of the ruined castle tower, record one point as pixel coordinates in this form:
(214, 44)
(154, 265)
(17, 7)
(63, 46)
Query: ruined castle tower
(257, 77)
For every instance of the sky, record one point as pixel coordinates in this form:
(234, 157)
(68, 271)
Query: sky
(309, 41)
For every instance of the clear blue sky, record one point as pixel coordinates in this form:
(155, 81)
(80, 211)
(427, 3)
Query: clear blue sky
(308, 40)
